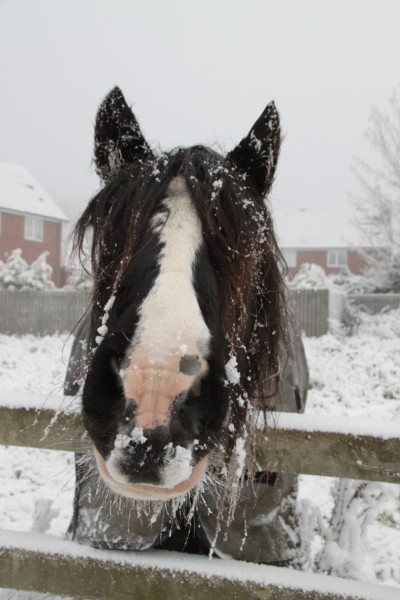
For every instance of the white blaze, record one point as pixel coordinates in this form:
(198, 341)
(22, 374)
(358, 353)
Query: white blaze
(170, 316)
(170, 321)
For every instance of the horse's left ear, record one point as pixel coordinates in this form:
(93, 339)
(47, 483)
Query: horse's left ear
(257, 154)
(118, 139)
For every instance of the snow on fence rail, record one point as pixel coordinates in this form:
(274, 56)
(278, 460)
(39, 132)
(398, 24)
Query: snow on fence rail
(298, 443)
(51, 565)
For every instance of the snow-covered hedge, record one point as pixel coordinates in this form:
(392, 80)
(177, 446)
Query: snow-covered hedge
(310, 277)
(17, 274)
(374, 280)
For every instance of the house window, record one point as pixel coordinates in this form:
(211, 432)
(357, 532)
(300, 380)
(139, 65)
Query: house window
(337, 258)
(33, 229)
(290, 256)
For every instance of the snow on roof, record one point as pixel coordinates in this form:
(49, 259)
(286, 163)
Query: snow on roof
(19, 192)
(316, 228)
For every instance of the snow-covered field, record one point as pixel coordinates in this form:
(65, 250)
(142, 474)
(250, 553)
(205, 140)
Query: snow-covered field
(355, 376)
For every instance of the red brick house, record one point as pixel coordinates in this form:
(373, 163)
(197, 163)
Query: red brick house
(318, 236)
(29, 218)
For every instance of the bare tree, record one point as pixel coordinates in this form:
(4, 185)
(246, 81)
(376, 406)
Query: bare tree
(378, 203)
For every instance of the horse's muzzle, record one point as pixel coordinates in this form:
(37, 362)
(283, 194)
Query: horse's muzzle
(121, 484)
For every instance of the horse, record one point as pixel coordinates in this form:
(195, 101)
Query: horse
(182, 345)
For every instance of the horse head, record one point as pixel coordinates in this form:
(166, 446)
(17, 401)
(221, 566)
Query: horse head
(186, 280)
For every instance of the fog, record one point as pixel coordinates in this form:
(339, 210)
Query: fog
(198, 72)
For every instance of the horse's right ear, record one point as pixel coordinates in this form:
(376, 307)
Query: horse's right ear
(118, 139)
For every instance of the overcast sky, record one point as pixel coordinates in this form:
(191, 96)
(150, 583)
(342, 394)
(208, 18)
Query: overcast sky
(197, 71)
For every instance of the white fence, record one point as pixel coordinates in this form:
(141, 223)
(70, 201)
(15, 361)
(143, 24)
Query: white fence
(43, 313)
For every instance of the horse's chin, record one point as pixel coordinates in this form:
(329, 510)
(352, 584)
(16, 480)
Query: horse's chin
(142, 491)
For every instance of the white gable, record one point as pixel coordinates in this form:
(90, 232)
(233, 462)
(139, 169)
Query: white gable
(19, 192)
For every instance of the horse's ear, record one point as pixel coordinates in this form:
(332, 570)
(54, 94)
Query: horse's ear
(257, 154)
(118, 139)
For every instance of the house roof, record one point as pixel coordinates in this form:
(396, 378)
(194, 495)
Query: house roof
(316, 228)
(19, 192)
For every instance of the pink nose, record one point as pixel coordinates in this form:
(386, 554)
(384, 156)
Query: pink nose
(153, 411)
(154, 391)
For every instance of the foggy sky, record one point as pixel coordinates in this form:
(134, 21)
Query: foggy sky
(197, 72)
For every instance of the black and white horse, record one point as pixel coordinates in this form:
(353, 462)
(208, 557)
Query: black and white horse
(188, 308)
(182, 347)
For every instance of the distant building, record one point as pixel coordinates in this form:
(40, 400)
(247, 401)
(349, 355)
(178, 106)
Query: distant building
(29, 218)
(321, 237)
(332, 260)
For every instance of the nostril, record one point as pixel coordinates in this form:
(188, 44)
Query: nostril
(190, 364)
(130, 408)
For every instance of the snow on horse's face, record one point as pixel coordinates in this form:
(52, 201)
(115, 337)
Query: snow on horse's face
(156, 398)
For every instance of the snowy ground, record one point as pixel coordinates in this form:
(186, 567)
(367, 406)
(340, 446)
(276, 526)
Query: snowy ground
(356, 376)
